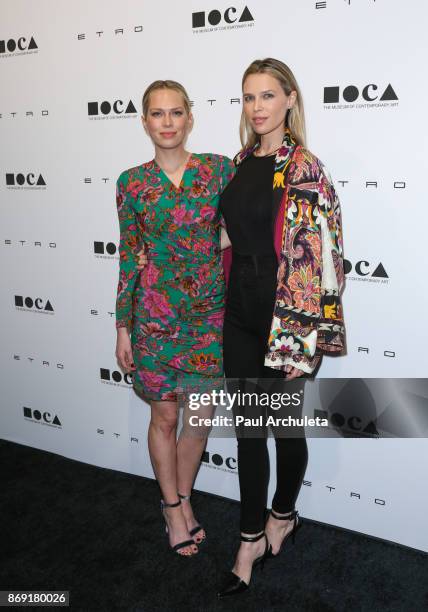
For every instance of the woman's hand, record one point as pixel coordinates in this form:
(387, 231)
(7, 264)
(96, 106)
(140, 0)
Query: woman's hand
(141, 258)
(124, 350)
(292, 372)
(224, 239)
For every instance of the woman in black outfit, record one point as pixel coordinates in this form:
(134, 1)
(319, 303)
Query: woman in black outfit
(283, 306)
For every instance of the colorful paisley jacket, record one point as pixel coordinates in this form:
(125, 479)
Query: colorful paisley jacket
(307, 318)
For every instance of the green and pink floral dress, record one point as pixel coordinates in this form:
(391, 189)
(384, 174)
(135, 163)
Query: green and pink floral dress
(174, 307)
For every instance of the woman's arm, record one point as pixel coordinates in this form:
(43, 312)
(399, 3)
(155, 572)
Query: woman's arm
(299, 339)
(128, 242)
(224, 239)
(331, 330)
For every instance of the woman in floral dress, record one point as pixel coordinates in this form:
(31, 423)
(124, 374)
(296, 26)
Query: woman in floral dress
(169, 316)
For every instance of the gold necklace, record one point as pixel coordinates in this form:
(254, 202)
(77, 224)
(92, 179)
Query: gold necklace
(270, 152)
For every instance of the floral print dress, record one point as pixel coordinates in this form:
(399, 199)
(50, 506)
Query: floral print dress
(174, 307)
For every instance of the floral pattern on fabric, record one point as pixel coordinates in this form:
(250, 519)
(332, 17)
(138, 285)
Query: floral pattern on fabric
(174, 307)
(307, 319)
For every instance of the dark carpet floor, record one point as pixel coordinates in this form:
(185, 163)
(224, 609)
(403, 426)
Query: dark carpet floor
(99, 534)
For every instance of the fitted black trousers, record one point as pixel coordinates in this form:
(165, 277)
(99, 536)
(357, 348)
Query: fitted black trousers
(248, 317)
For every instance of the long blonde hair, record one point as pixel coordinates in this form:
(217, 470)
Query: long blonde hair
(295, 117)
(168, 84)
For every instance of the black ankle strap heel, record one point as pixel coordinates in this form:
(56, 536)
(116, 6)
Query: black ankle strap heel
(198, 527)
(233, 584)
(180, 545)
(255, 538)
(290, 516)
(184, 496)
(165, 505)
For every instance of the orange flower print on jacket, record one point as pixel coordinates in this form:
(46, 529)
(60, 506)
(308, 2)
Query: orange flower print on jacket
(306, 288)
(307, 320)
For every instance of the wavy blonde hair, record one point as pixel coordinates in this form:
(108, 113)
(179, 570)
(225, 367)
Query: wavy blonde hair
(295, 117)
(167, 84)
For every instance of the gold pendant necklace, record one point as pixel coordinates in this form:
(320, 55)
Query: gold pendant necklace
(270, 152)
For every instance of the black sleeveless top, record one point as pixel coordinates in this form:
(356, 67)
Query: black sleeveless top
(246, 205)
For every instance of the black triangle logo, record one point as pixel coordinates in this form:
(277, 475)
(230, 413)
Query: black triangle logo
(32, 44)
(41, 181)
(380, 272)
(56, 421)
(389, 94)
(48, 306)
(371, 429)
(246, 15)
(130, 108)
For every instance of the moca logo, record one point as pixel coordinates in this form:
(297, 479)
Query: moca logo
(349, 407)
(348, 424)
(229, 18)
(105, 248)
(114, 377)
(216, 461)
(18, 46)
(33, 304)
(369, 95)
(24, 181)
(111, 110)
(43, 418)
(365, 271)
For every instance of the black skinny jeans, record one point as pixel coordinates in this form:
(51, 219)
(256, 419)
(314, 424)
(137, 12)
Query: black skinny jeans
(248, 317)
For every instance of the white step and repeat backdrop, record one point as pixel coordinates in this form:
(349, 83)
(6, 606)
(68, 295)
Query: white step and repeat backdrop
(72, 77)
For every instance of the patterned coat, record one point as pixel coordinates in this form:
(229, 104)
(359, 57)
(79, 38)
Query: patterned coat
(307, 320)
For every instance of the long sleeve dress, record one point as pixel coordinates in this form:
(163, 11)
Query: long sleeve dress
(174, 307)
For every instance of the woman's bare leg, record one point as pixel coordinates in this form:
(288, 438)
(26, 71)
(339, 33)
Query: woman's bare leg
(163, 453)
(190, 446)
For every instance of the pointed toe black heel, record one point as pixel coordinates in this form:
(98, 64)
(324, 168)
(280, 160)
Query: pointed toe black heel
(290, 516)
(233, 584)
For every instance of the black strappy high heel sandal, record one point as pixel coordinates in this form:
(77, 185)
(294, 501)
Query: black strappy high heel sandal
(180, 545)
(198, 527)
(290, 516)
(233, 584)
